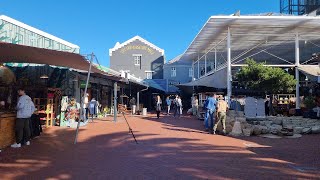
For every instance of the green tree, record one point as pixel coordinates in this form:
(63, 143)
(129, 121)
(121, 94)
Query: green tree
(270, 80)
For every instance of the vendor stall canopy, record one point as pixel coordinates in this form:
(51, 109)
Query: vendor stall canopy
(14, 53)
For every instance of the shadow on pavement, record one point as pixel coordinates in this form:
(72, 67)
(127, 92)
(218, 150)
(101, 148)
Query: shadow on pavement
(114, 155)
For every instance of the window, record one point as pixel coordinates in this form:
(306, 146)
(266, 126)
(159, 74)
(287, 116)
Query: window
(173, 72)
(148, 75)
(137, 59)
(190, 72)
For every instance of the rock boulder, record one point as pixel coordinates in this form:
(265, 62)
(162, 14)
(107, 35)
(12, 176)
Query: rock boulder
(257, 129)
(297, 130)
(306, 130)
(315, 129)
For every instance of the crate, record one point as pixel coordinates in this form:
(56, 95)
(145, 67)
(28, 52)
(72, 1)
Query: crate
(7, 132)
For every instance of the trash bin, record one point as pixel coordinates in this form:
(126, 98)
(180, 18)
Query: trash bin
(144, 112)
(134, 109)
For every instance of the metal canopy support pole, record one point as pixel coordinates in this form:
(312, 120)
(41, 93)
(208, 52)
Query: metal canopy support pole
(205, 64)
(229, 80)
(297, 63)
(138, 101)
(198, 67)
(215, 59)
(115, 97)
(192, 77)
(82, 110)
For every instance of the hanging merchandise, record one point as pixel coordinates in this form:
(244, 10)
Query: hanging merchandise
(64, 106)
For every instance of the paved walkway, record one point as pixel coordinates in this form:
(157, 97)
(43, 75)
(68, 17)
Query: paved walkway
(168, 149)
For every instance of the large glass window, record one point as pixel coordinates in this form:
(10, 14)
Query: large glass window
(190, 72)
(173, 72)
(137, 59)
(148, 75)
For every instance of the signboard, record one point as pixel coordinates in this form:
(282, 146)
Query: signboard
(137, 47)
(83, 84)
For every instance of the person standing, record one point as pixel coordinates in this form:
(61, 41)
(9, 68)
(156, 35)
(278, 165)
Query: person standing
(158, 106)
(132, 103)
(168, 101)
(25, 109)
(175, 106)
(93, 105)
(266, 107)
(222, 108)
(85, 106)
(210, 106)
(180, 105)
(195, 106)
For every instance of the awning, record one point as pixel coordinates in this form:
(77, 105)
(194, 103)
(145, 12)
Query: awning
(14, 53)
(311, 71)
(265, 38)
(216, 80)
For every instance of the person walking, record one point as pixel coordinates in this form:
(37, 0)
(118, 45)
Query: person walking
(210, 106)
(222, 108)
(168, 101)
(93, 106)
(158, 106)
(25, 109)
(195, 106)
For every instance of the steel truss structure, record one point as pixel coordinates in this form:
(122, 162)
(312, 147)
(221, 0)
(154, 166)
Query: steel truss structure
(225, 42)
(298, 7)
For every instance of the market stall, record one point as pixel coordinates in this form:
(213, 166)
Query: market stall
(45, 75)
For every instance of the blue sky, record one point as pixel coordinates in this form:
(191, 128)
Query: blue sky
(97, 25)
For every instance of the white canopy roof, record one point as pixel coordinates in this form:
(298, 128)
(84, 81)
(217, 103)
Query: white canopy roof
(269, 39)
(265, 38)
(248, 31)
(311, 71)
(215, 80)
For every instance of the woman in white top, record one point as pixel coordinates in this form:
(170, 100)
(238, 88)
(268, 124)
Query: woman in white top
(179, 106)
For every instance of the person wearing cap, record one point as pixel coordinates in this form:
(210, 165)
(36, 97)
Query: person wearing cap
(222, 107)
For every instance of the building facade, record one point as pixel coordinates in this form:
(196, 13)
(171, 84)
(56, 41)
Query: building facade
(15, 32)
(138, 57)
(177, 72)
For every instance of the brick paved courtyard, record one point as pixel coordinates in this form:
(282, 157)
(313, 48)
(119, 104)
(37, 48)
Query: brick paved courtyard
(168, 149)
